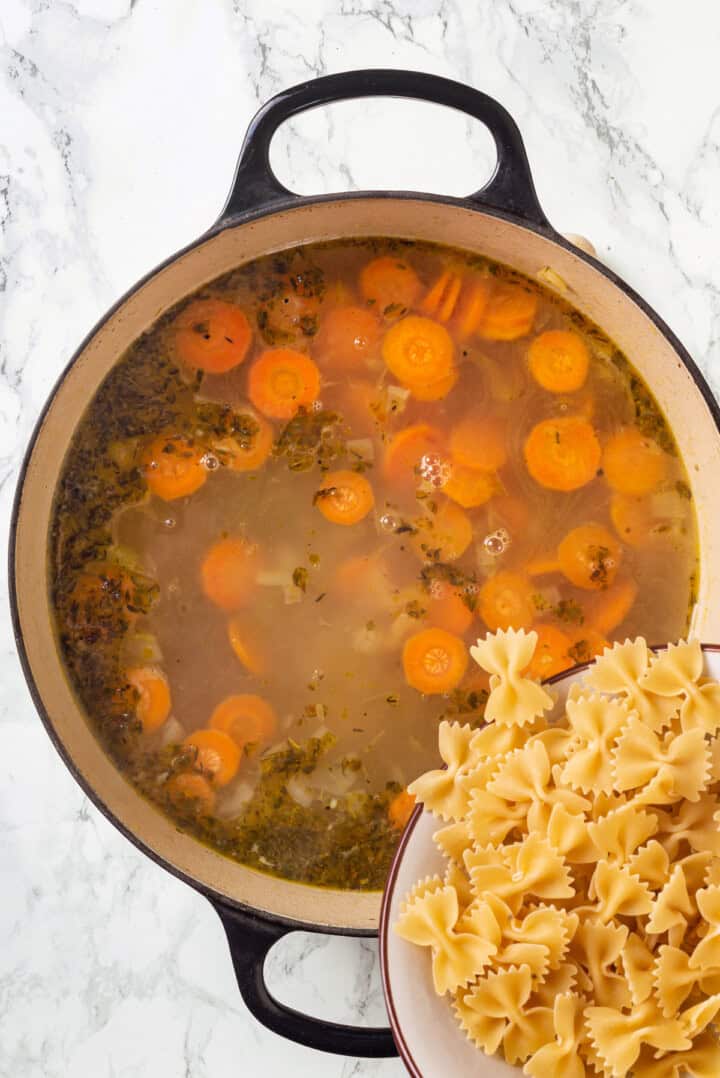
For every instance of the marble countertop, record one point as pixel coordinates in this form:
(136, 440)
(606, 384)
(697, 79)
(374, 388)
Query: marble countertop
(120, 121)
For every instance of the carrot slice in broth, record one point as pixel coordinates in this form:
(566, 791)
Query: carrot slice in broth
(633, 463)
(509, 313)
(562, 454)
(589, 556)
(214, 754)
(347, 338)
(193, 790)
(401, 809)
(212, 336)
(228, 572)
(345, 497)
(506, 601)
(247, 718)
(153, 696)
(559, 360)
(281, 381)
(420, 354)
(551, 653)
(434, 661)
(174, 467)
(390, 284)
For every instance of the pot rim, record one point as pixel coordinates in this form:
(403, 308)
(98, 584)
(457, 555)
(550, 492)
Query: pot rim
(224, 224)
(404, 1050)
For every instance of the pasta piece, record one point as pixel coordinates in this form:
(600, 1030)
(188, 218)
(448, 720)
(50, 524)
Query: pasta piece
(691, 822)
(525, 776)
(672, 906)
(568, 833)
(702, 1060)
(638, 963)
(557, 983)
(514, 699)
(618, 835)
(618, 893)
(618, 1037)
(530, 867)
(494, 1012)
(547, 926)
(557, 742)
(456, 877)
(707, 952)
(677, 672)
(560, 1056)
(619, 670)
(438, 790)
(695, 869)
(458, 956)
(422, 888)
(652, 864)
(715, 759)
(698, 1018)
(674, 980)
(597, 948)
(596, 723)
(490, 818)
(453, 840)
(681, 764)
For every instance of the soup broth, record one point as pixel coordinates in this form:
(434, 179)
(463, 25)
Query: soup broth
(298, 499)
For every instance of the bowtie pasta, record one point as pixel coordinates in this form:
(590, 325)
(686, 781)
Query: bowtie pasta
(577, 927)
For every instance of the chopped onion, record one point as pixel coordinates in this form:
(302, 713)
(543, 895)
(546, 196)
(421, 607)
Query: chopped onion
(172, 732)
(548, 276)
(362, 447)
(299, 789)
(274, 578)
(235, 798)
(397, 398)
(367, 641)
(292, 594)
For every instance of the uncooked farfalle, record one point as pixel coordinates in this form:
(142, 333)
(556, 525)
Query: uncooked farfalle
(577, 926)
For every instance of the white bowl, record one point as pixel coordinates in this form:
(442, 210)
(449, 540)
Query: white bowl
(428, 1038)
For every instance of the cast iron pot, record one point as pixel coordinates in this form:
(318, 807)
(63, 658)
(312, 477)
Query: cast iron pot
(503, 220)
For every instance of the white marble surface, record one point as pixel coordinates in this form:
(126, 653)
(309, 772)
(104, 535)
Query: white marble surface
(119, 124)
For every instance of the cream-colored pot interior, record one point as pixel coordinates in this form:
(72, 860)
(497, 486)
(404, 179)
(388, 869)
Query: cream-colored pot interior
(414, 218)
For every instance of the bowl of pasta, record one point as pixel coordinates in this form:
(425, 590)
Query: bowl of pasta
(554, 905)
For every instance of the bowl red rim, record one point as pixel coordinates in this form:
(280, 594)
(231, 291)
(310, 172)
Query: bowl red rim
(384, 926)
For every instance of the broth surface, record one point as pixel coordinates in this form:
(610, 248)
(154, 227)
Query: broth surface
(457, 449)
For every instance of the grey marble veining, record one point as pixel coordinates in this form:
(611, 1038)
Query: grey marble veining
(120, 121)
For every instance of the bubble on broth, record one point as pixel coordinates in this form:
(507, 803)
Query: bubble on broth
(434, 470)
(388, 523)
(209, 461)
(497, 542)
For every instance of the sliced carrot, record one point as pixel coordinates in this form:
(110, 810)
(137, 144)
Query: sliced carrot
(291, 310)
(447, 609)
(345, 497)
(470, 487)
(191, 788)
(406, 449)
(153, 696)
(633, 519)
(589, 557)
(420, 353)
(434, 661)
(551, 653)
(246, 718)
(472, 306)
(512, 511)
(228, 572)
(559, 360)
(173, 467)
(480, 441)
(440, 301)
(212, 336)
(250, 653)
(246, 454)
(214, 754)
(562, 454)
(401, 809)
(434, 391)
(348, 336)
(390, 284)
(632, 463)
(611, 608)
(506, 601)
(97, 597)
(282, 380)
(363, 576)
(509, 314)
(586, 644)
(444, 536)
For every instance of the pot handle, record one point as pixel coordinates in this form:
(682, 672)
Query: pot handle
(510, 188)
(250, 936)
